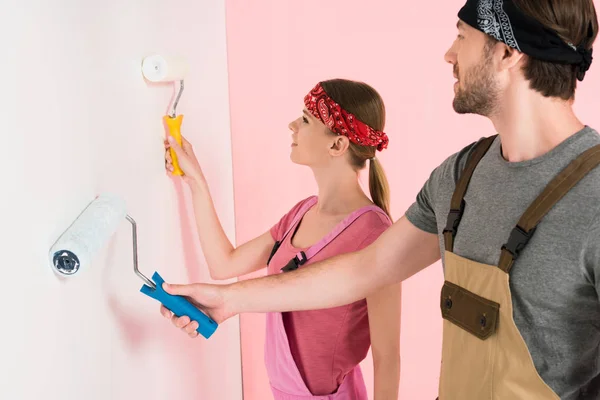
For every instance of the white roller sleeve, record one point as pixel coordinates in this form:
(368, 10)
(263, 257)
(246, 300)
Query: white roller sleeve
(92, 229)
(157, 68)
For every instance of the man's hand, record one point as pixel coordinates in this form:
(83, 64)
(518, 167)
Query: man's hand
(210, 299)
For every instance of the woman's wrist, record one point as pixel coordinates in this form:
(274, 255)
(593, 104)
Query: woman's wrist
(198, 185)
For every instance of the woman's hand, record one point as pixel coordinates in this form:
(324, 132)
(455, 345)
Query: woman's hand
(186, 158)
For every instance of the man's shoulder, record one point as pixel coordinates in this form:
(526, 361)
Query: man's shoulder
(451, 168)
(588, 142)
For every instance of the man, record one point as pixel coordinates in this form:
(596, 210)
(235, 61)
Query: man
(517, 217)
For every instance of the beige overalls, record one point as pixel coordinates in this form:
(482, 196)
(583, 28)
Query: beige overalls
(484, 356)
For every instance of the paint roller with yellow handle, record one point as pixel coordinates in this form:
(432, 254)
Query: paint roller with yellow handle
(157, 68)
(174, 125)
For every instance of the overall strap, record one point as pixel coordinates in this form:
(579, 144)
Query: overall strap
(310, 253)
(457, 204)
(299, 215)
(554, 191)
(302, 257)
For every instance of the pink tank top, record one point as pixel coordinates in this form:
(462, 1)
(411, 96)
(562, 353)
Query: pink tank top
(328, 344)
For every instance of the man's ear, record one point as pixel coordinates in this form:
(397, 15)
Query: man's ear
(511, 57)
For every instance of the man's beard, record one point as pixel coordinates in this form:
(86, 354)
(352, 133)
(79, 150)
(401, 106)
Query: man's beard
(479, 94)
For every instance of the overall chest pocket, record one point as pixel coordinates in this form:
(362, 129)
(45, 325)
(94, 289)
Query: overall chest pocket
(469, 343)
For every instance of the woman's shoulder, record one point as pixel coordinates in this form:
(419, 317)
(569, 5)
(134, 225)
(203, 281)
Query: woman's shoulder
(372, 218)
(370, 223)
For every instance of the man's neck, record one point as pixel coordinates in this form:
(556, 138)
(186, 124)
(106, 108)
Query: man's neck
(531, 125)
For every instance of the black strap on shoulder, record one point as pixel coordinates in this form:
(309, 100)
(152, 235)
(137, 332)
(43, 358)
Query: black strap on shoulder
(457, 204)
(554, 191)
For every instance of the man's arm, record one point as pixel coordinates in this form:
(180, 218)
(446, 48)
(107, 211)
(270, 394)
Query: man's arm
(400, 252)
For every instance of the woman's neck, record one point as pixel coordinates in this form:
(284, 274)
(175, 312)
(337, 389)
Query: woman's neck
(339, 191)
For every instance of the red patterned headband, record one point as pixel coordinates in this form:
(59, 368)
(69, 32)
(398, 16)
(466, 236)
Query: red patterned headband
(338, 120)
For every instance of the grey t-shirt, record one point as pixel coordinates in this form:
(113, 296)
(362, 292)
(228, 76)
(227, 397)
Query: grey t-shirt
(556, 280)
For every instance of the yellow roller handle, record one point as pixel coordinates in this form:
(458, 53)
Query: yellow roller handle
(174, 125)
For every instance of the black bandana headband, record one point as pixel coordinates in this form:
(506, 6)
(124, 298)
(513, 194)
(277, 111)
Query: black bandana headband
(505, 22)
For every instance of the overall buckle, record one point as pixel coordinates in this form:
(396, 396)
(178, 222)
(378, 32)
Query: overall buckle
(517, 240)
(295, 262)
(454, 217)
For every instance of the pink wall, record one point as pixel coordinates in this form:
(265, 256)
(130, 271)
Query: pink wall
(277, 51)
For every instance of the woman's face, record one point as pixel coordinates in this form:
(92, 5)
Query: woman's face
(312, 141)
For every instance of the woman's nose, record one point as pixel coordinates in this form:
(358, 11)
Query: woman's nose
(292, 126)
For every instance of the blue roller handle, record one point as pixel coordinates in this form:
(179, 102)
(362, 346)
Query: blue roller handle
(180, 306)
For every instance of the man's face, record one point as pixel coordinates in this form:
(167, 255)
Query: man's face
(471, 54)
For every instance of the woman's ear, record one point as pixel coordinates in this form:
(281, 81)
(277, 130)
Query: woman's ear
(339, 145)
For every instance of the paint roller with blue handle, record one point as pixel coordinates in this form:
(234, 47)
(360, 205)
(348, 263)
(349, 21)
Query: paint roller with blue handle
(89, 232)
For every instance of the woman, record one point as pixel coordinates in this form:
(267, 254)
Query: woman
(315, 354)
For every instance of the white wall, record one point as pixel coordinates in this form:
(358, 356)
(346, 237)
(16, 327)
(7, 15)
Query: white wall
(78, 120)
